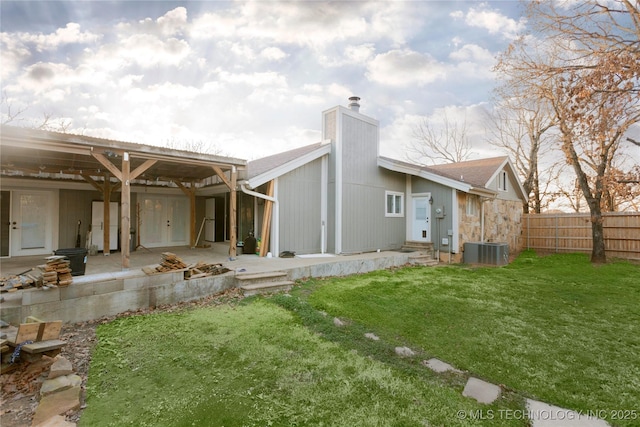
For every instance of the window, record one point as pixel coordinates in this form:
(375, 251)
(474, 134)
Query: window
(502, 181)
(394, 203)
(472, 205)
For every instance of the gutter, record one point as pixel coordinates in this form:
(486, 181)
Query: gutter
(245, 190)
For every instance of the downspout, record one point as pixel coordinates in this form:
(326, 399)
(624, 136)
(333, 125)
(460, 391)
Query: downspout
(482, 200)
(482, 220)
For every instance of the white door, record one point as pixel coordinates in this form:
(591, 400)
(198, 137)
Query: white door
(164, 221)
(421, 216)
(32, 220)
(210, 220)
(97, 225)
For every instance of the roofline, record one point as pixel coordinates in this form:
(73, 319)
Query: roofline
(258, 180)
(79, 144)
(416, 170)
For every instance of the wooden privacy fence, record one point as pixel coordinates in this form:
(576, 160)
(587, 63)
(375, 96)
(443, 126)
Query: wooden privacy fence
(572, 233)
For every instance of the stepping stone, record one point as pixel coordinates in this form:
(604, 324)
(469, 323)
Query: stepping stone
(60, 367)
(371, 336)
(57, 421)
(337, 322)
(481, 391)
(544, 415)
(57, 404)
(404, 352)
(59, 383)
(439, 366)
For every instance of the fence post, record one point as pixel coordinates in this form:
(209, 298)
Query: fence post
(557, 240)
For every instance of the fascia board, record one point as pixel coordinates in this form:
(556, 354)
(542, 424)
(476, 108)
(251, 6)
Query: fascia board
(417, 171)
(274, 173)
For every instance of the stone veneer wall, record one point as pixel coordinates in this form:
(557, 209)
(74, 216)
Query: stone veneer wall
(502, 223)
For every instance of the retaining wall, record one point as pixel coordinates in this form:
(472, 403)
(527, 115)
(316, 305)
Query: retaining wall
(107, 294)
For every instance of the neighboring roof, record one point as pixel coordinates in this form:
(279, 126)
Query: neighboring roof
(33, 153)
(267, 168)
(472, 176)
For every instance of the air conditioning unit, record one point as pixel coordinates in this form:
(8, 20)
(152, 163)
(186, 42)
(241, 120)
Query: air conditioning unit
(486, 253)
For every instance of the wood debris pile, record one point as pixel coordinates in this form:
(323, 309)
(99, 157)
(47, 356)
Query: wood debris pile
(202, 269)
(171, 262)
(56, 272)
(22, 281)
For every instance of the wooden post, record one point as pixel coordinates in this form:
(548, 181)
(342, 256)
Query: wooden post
(106, 191)
(266, 221)
(233, 212)
(125, 210)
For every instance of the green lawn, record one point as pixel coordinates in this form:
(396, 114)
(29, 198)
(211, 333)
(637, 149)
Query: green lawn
(551, 328)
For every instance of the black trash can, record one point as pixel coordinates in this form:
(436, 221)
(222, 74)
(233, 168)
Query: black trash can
(77, 259)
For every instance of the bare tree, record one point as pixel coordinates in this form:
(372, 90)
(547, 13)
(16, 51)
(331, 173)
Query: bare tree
(587, 71)
(520, 127)
(16, 116)
(194, 146)
(431, 144)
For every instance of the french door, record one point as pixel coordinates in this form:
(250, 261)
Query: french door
(164, 221)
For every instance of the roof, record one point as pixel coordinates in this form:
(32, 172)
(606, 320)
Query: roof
(472, 176)
(476, 172)
(33, 153)
(267, 168)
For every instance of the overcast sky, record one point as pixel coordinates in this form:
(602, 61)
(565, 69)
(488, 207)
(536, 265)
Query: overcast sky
(249, 79)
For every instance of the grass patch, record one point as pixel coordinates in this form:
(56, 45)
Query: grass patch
(554, 328)
(264, 362)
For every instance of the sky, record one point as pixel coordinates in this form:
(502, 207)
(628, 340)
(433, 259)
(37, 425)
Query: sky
(248, 79)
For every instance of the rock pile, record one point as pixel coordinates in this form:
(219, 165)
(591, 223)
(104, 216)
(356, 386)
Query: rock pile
(59, 393)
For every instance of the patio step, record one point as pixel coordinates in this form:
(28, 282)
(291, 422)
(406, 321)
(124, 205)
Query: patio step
(424, 253)
(412, 245)
(261, 283)
(422, 259)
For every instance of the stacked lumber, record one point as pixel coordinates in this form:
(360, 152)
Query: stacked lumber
(202, 269)
(170, 262)
(57, 271)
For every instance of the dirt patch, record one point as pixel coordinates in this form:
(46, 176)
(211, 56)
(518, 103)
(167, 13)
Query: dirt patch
(21, 388)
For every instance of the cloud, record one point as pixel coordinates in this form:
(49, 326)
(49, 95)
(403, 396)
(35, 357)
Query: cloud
(273, 54)
(405, 67)
(71, 34)
(494, 22)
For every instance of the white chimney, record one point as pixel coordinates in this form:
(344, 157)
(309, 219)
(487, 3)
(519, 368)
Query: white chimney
(353, 103)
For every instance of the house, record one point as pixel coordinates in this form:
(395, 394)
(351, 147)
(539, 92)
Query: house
(340, 196)
(337, 196)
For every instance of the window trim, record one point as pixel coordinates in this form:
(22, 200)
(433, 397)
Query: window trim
(472, 202)
(398, 202)
(502, 181)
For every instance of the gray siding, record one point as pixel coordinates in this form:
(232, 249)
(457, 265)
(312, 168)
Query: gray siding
(442, 196)
(300, 214)
(364, 224)
(511, 193)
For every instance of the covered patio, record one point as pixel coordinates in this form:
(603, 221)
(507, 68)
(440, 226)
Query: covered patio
(35, 159)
